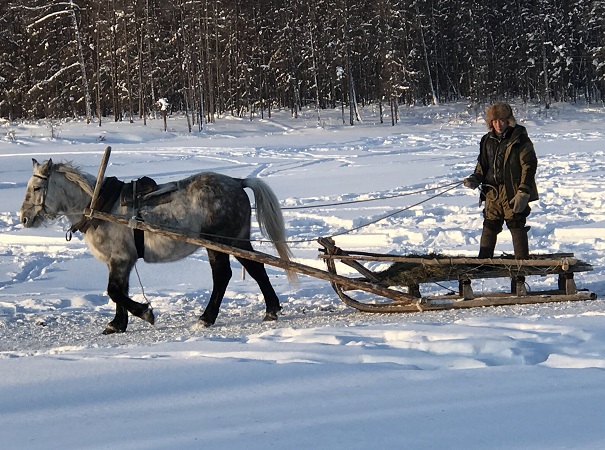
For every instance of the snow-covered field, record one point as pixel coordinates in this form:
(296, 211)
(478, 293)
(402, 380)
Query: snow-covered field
(324, 375)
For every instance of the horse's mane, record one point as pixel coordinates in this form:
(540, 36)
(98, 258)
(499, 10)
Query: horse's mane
(75, 175)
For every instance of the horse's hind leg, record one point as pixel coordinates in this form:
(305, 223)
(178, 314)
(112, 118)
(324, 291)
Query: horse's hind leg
(221, 274)
(258, 272)
(117, 288)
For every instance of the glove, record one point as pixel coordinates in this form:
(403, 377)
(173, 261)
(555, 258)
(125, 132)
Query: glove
(519, 202)
(471, 182)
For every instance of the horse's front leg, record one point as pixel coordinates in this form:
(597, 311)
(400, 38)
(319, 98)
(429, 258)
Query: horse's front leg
(117, 289)
(119, 322)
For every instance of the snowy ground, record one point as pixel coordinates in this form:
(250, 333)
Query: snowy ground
(323, 376)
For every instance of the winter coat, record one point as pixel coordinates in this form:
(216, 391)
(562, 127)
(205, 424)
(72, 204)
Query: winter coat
(517, 167)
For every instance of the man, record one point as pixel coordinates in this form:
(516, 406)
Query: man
(506, 170)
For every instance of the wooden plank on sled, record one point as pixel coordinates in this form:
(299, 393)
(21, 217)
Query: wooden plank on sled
(374, 254)
(264, 258)
(449, 261)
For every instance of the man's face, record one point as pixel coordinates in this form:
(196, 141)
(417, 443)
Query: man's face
(499, 125)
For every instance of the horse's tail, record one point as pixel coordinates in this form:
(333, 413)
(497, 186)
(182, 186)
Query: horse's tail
(270, 218)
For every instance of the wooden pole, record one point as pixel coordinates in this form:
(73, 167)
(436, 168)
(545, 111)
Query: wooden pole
(100, 176)
(264, 258)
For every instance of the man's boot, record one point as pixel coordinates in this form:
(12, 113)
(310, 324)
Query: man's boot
(487, 244)
(520, 242)
(521, 249)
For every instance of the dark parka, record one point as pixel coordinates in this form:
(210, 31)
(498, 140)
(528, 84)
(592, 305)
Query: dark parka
(519, 163)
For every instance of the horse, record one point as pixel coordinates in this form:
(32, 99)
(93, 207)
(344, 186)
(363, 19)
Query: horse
(207, 203)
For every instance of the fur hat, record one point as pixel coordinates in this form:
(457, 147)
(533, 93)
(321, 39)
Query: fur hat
(499, 111)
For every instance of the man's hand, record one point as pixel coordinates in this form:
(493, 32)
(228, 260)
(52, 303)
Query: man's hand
(471, 182)
(519, 203)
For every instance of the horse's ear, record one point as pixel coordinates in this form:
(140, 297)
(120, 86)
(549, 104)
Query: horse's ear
(45, 167)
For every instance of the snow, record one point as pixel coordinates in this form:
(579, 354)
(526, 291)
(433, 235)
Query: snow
(323, 375)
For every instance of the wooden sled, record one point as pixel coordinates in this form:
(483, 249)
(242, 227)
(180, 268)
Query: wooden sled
(411, 271)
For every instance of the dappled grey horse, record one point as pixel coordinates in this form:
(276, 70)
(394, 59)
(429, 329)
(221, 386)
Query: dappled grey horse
(210, 204)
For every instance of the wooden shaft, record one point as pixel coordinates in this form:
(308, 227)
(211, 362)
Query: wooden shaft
(100, 176)
(264, 258)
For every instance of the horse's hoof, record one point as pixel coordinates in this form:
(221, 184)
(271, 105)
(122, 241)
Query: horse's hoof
(111, 329)
(148, 316)
(204, 322)
(270, 316)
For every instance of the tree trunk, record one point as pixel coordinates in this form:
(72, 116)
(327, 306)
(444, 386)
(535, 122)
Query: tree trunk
(314, 62)
(149, 58)
(427, 65)
(128, 75)
(87, 98)
(98, 64)
(114, 67)
(545, 77)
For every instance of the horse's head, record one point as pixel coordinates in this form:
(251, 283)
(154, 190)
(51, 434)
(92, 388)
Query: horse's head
(33, 210)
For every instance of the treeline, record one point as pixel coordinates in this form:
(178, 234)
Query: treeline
(123, 59)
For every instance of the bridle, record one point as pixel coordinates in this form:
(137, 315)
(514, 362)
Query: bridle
(42, 204)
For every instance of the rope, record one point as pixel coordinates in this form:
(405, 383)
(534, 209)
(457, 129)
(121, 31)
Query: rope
(451, 186)
(455, 185)
(386, 197)
(141, 284)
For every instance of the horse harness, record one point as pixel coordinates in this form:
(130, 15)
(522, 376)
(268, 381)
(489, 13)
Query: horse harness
(43, 204)
(131, 195)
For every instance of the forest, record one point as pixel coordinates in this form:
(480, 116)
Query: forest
(124, 60)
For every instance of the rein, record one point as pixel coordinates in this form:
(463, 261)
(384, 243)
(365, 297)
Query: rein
(385, 197)
(394, 213)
